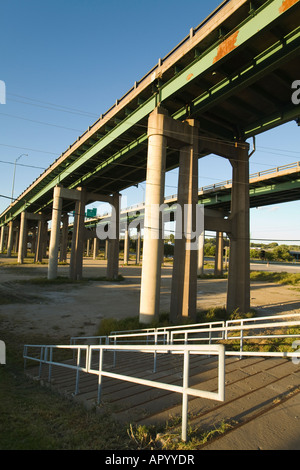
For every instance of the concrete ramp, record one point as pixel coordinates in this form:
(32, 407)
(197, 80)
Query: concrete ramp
(262, 404)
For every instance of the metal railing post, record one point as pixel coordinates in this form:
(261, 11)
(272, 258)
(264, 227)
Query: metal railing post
(186, 337)
(155, 353)
(41, 362)
(185, 397)
(100, 376)
(241, 338)
(115, 352)
(226, 331)
(50, 365)
(221, 380)
(25, 353)
(77, 372)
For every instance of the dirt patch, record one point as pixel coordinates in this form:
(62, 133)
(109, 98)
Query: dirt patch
(65, 310)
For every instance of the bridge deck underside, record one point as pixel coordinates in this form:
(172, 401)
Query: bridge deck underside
(245, 92)
(263, 192)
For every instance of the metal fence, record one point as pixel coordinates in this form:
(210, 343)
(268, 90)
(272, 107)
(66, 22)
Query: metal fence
(186, 340)
(43, 354)
(248, 330)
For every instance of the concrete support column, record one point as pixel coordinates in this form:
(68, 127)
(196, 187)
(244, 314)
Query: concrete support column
(184, 279)
(55, 233)
(95, 248)
(78, 239)
(106, 249)
(138, 245)
(113, 244)
(64, 238)
(238, 295)
(25, 244)
(39, 241)
(22, 238)
(2, 238)
(10, 238)
(152, 250)
(200, 267)
(16, 240)
(126, 246)
(45, 243)
(88, 247)
(219, 254)
(33, 239)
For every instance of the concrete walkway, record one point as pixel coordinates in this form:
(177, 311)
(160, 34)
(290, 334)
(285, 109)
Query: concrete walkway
(262, 397)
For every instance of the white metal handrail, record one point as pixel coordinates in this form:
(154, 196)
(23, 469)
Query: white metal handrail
(240, 329)
(46, 357)
(185, 390)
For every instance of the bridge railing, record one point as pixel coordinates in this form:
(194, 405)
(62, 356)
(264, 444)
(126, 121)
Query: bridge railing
(219, 185)
(222, 184)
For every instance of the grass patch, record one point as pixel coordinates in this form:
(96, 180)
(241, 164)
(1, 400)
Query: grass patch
(120, 278)
(220, 314)
(108, 325)
(6, 299)
(212, 276)
(168, 438)
(264, 345)
(34, 418)
(278, 278)
(44, 281)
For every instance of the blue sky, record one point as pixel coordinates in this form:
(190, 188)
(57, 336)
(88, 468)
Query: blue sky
(65, 63)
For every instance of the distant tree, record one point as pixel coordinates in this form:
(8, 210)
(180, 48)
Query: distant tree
(281, 253)
(209, 249)
(254, 254)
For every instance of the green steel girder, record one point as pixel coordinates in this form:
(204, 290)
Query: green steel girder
(268, 193)
(269, 14)
(218, 200)
(259, 66)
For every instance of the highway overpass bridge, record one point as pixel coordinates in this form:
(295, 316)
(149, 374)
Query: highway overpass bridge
(273, 186)
(227, 81)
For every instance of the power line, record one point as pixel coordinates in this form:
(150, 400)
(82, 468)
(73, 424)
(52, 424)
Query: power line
(22, 164)
(29, 149)
(39, 122)
(54, 106)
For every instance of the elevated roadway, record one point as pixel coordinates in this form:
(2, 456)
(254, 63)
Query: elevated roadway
(229, 80)
(233, 73)
(273, 186)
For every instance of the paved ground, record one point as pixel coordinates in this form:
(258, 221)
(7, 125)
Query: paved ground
(262, 404)
(262, 395)
(77, 310)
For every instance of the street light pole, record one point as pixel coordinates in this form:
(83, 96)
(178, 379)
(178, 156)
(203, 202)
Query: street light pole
(13, 184)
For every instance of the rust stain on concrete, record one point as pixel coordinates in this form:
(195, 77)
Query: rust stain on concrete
(226, 46)
(286, 4)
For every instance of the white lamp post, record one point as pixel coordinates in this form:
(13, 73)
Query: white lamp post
(13, 184)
